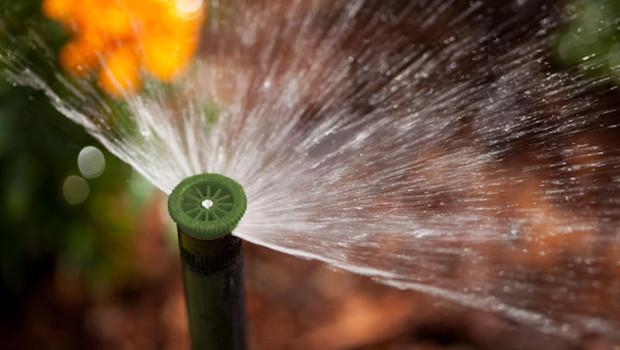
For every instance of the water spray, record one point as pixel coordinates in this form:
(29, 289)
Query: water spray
(206, 208)
(431, 145)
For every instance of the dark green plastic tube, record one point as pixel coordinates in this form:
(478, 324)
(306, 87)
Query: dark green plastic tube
(214, 292)
(207, 208)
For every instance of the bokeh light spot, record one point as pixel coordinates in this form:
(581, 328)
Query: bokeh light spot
(75, 190)
(91, 162)
(189, 8)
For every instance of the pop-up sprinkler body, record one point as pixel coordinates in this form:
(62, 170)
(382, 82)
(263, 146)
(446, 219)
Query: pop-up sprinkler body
(207, 208)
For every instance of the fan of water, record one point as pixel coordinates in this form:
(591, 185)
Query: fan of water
(429, 144)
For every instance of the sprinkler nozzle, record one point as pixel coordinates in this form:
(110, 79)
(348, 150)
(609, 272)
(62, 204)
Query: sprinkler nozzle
(207, 206)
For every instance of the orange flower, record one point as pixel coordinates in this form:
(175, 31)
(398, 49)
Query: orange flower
(120, 71)
(126, 39)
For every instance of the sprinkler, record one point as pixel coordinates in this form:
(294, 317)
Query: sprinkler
(206, 208)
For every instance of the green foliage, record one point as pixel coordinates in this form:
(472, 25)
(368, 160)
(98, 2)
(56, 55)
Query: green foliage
(592, 38)
(39, 229)
(211, 112)
(38, 150)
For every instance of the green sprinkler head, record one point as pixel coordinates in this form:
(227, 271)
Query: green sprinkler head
(207, 206)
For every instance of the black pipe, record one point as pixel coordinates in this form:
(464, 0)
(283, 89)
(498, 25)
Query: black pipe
(214, 292)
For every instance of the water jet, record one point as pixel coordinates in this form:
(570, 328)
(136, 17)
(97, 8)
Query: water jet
(430, 145)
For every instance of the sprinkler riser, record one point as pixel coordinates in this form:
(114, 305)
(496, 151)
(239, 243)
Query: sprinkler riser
(206, 208)
(214, 292)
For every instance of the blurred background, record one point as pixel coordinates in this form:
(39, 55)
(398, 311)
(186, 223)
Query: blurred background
(88, 255)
